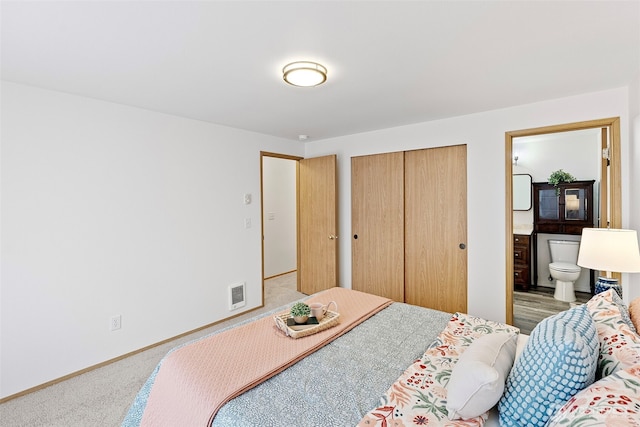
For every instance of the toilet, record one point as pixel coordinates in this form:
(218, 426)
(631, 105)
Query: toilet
(563, 268)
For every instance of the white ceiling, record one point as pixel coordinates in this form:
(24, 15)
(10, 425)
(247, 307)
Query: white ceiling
(390, 63)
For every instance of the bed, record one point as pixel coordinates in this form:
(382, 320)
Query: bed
(349, 381)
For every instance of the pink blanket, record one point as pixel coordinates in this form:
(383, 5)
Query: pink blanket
(195, 381)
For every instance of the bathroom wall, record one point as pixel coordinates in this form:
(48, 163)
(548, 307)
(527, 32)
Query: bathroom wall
(576, 152)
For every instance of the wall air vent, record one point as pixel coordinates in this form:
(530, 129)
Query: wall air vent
(236, 296)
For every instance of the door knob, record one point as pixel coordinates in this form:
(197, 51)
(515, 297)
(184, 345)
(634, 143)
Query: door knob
(462, 246)
(355, 236)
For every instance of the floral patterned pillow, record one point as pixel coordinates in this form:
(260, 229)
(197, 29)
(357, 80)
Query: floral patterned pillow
(634, 313)
(624, 311)
(619, 345)
(612, 401)
(419, 396)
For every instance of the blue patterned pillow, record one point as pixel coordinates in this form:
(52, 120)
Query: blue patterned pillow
(559, 360)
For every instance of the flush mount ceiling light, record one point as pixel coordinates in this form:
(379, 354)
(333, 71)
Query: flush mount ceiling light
(304, 74)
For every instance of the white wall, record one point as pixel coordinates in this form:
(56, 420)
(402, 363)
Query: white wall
(108, 209)
(111, 210)
(631, 282)
(484, 134)
(279, 209)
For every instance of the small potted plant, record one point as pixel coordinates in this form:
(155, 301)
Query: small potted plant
(300, 312)
(560, 176)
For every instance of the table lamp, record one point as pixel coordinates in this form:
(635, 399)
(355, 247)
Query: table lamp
(609, 250)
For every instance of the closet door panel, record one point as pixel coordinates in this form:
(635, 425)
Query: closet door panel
(436, 228)
(377, 224)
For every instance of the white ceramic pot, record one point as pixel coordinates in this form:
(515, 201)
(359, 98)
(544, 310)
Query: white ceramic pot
(300, 319)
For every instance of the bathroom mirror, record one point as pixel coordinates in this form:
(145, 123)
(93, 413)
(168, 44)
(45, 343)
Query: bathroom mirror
(522, 192)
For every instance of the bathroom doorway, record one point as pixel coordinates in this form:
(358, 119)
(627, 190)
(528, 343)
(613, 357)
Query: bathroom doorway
(610, 183)
(577, 153)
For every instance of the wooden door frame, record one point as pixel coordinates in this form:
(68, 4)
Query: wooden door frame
(615, 185)
(286, 157)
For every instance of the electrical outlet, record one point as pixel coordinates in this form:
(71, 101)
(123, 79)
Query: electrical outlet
(116, 322)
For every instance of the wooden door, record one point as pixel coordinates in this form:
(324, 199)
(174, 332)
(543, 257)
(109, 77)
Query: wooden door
(436, 228)
(318, 225)
(377, 224)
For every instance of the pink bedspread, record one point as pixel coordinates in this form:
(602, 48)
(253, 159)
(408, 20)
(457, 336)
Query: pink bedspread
(195, 381)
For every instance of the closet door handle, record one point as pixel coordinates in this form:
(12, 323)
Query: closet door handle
(333, 237)
(462, 246)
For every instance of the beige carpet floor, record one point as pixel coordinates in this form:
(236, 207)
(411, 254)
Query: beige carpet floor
(102, 397)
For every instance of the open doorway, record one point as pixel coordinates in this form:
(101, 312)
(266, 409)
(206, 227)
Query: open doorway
(279, 215)
(278, 176)
(610, 192)
(316, 221)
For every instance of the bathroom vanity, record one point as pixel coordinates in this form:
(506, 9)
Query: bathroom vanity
(522, 261)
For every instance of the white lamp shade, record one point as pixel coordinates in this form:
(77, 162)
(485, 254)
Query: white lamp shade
(609, 250)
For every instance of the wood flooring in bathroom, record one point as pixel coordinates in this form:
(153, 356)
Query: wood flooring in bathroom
(529, 308)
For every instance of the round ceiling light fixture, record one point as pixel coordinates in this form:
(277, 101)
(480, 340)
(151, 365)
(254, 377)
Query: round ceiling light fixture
(304, 74)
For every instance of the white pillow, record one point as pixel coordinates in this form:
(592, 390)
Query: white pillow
(477, 380)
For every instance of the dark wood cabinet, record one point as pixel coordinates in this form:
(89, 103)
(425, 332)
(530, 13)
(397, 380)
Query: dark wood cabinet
(522, 261)
(566, 211)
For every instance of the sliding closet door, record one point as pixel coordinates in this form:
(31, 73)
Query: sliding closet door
(436, 228)
(377, 224)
